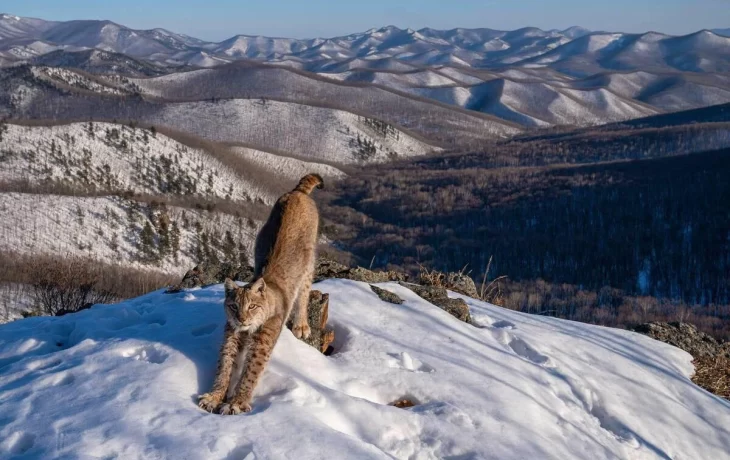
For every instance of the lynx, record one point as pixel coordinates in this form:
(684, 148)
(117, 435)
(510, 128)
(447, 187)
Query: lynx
(256, 313)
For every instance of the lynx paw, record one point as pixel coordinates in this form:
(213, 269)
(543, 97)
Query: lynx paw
(234, 409)
(209, 402)
(302, 331)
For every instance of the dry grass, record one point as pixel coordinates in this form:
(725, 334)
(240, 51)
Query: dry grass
(57, 283)
(428, 277)
(713, 374)
(492, 292)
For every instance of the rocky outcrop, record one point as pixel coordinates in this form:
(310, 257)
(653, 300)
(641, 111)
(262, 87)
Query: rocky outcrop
(326, 269)
(206, 274)
(386, 296)
(463, 284)
(711, 358)
(318, 313)
(439, 297)
(686, 337)
(454, 281)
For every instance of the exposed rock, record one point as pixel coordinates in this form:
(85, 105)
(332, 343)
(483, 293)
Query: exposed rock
(438, 296)
(711, 358)
(206, 274)
(387, 296)
(686, 337)
(463, 284)
(325, 269)
(454, 281)
(403, 403)
(318, 313)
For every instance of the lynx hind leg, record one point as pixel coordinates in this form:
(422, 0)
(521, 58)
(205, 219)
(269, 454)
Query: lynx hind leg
(300, 318)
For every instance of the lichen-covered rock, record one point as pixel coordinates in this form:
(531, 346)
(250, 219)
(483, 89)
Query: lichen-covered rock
(454, 281)
(438, 296)
(317, 315)
(206, 274)
(463, 284)
(685, 336)
(387, 296)
(326, 269)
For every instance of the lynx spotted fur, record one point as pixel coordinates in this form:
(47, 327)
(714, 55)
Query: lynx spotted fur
(256, 314)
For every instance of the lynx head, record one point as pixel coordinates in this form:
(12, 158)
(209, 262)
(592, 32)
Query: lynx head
(247, 308)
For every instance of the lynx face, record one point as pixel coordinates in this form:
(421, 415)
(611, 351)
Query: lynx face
(247, 308)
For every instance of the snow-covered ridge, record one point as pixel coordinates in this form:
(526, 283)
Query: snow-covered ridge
(286, 167)
(122, 380)
(478, 48)
(79, 81)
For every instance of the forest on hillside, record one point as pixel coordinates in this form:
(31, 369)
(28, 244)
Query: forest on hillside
(606, 238)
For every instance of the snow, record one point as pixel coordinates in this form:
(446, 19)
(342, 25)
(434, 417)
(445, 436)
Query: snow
(287, 168)
(77, 80)
(308, 132)
(105, 228)
(122, 381)
(79, 153)
(14, 299)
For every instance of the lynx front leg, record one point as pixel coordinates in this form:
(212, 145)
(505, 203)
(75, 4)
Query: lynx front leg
(261, 348)
(300, 319)
(229, 351)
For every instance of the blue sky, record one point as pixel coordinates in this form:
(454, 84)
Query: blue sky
(220, 19)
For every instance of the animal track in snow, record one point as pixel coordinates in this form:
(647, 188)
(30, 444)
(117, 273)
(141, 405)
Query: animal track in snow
(523, 349)
(41, 365)
(204, 330)
(157, 319)
(446, 411)
(406, 362)
(64, 379)
(19, 443)
(591, 402)
(485, 322)
(147, 354)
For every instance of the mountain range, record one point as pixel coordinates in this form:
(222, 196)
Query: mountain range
(527, 77)
(576, 50)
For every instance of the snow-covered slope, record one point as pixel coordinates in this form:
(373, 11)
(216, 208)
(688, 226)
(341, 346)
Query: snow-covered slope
(101, 62)
(286, 167)
(109, 229)
(309, 132)
(115, 158)
(122, 381)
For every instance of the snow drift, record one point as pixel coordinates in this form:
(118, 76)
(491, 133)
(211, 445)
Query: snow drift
(122, 380)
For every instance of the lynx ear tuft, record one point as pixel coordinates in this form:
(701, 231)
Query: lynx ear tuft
(230, 285)
(259, 286)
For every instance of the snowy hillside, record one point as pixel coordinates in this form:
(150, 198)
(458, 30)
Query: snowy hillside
(122, 381)
(111, 229)
(306, 131)
(113, 157)
(286, 167)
